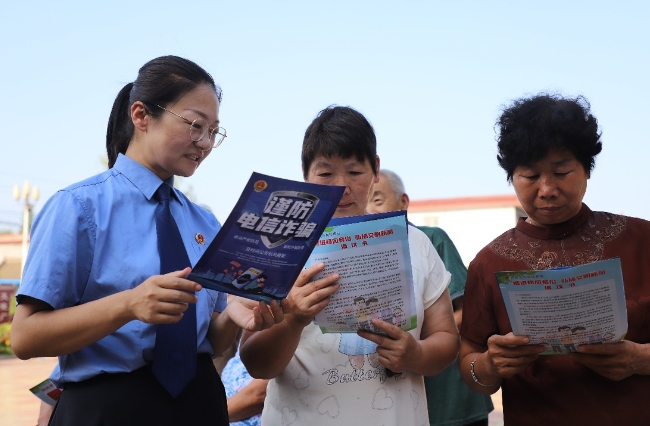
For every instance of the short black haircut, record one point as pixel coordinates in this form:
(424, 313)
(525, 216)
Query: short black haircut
(339, 131)
(532, 126)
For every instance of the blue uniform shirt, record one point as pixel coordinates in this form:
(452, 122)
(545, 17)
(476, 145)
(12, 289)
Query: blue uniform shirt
(98, 237)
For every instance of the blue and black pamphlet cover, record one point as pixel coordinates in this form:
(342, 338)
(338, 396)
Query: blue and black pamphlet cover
(267, 238)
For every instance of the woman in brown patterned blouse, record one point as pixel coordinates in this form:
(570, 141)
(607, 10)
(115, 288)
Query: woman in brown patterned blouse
(547, 145)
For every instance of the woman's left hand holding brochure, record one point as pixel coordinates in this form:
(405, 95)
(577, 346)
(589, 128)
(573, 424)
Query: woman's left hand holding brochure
(253, 315)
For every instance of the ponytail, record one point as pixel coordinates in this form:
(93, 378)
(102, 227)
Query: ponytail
(120, 128)
(160, 81)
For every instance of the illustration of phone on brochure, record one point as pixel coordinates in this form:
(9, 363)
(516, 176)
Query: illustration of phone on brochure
(245, 278)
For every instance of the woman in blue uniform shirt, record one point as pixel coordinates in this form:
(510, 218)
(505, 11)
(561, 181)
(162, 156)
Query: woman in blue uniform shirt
(92, 292)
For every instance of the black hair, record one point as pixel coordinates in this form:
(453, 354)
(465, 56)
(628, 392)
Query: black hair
(531, 126)
(342, 132)
(160, 81)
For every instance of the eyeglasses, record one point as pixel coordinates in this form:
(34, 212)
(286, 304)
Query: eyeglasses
(199, 127)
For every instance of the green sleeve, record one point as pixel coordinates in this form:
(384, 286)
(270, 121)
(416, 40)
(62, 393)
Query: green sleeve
(451, 258)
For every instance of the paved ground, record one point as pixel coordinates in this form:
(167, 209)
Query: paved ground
(496, 416)
(19, 407)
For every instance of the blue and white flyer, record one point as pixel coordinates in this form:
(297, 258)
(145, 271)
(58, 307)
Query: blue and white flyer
(371, 253)
(266, 240)
(568, 307)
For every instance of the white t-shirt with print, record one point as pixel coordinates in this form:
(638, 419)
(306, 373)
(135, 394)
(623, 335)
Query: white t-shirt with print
(319, 386)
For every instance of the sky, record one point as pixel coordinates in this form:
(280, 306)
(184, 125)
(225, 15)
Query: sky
(431, 77)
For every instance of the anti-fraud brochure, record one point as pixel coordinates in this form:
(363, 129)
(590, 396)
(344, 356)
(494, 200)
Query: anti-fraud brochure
(568, 307)
(371, 253)
(267, 238)
(47, 392)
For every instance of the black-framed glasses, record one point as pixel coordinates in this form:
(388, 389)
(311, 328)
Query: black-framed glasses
(200, 127)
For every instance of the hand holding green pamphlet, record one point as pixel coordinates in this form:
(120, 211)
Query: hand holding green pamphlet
(568, 307)
(371, 254)
(266, 240)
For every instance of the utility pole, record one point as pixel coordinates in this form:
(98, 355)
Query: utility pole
(27, 208)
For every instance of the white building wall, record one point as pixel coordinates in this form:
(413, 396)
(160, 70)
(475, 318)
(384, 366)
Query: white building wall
(12, 250)
(471, 229)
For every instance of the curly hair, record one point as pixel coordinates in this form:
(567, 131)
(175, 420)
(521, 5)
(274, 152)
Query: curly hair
(531, 126)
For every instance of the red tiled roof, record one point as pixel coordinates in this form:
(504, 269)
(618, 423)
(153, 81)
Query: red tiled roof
(11, 238)
(464, 203)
